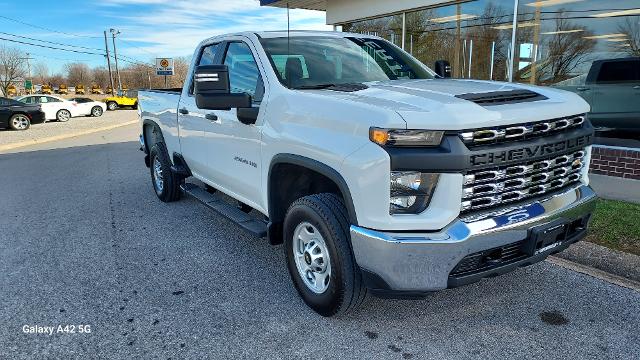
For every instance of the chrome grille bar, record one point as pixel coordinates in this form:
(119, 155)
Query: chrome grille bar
(510, 133)
(488, 188)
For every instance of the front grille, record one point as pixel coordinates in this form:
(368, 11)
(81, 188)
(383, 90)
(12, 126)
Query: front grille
(500, 185)
(526, 131)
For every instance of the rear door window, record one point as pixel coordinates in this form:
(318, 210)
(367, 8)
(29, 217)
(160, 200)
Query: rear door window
(619, 72)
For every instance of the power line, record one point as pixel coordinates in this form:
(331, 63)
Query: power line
(137, 47)
(48, 29)
(50, 47)
(49, 42)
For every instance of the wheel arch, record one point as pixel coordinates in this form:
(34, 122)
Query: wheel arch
(152, 134)
(322, 178)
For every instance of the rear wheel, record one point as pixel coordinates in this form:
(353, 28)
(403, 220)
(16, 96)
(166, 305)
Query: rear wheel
(19, 122)
(165, 183)
(63, 115)
(112, 105)
(96, 111)
(319, 256)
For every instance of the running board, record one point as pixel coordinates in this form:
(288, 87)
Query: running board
(253, 226)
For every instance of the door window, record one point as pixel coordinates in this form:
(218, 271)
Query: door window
(619, 72)
(209, 54)
(49, 99)
(244, 76)
(29, 100)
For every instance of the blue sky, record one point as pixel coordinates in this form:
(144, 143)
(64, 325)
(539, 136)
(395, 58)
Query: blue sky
(149, 28)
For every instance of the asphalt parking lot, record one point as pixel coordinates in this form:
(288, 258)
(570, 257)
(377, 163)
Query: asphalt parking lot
(84, 241)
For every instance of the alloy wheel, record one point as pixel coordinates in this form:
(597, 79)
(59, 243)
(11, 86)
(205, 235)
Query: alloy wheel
(20, 122)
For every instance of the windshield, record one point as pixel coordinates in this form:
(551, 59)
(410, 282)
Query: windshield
(316, 62)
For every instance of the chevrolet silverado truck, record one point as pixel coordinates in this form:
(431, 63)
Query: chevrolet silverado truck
(376, 174)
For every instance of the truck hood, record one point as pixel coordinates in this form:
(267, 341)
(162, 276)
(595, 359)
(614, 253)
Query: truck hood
(432, 104)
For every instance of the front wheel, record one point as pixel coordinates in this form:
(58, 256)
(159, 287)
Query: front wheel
(63, 115)
(19, 122)
(112, 105)
(165, 183)
(319, 255)
(96, 111)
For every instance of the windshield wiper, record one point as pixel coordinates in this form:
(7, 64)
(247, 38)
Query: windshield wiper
(317, 86)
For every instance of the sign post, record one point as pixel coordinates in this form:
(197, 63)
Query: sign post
(164, 67)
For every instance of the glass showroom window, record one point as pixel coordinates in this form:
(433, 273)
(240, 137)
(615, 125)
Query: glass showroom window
(388, 27)
(469, 35)
(558, 40)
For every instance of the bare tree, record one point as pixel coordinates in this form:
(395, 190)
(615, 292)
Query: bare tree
(12, 67)
(56, 80)
(41, 72)
(567, 50)
(100, 77)
(631, 27)
(77, 73)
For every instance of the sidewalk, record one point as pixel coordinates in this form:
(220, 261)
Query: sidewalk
(614, 188)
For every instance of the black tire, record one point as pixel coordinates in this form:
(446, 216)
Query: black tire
(135, 106)
(19, 122)
(170, 190)
(96, 111)
(112, 105)
(327, 213)
(63, 115)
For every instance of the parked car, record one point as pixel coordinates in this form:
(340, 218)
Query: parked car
(128, 98)
(375, 173)
(89, 106)
(612, 88)
(19, 116)
(54, 107)
(46, 90)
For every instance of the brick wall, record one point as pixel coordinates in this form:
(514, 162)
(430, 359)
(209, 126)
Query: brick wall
(620, 162)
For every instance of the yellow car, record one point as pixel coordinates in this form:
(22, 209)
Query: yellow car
(124, 98)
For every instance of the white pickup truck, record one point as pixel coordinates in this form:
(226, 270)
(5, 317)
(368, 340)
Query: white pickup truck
(377, 174)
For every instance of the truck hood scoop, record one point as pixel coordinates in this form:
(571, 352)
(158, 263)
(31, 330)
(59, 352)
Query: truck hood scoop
(502, 97)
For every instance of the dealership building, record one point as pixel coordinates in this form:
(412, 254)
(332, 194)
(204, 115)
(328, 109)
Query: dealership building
(545, 42)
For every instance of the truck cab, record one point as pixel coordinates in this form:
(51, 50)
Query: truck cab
(612, 88)
(376, 174)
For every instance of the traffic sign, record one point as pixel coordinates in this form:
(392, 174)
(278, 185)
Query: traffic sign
(28, 84)
(164, 66)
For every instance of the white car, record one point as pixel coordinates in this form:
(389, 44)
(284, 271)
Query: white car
(54, 107)
(89, 107)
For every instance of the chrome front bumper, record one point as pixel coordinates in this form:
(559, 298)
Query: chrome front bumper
(421, 262)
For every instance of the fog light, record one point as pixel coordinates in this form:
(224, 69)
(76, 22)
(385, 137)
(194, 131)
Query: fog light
(411, 191)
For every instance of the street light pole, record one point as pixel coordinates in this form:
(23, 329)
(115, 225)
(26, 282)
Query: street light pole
(106, 47)
(115, 32)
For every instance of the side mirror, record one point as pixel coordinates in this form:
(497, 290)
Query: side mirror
(443, 69)
(212, 90)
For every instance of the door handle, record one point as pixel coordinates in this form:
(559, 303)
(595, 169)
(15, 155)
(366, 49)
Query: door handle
(212, 117)
(183, 111)
(583, 89)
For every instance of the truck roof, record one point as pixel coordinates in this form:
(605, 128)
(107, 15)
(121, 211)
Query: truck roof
(296, 33)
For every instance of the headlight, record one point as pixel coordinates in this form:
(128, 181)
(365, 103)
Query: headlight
(411, 191)
(398, 137)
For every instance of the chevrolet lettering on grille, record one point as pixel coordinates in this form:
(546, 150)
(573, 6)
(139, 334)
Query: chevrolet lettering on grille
(500, 157)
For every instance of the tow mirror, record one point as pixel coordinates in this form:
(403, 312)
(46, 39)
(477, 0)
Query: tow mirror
(443, 69)
(212, 90)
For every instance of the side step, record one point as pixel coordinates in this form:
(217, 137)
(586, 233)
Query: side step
(253, 226)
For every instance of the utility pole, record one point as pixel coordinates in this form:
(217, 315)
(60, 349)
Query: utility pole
(115, 32)
(106, 47)
(28, 69)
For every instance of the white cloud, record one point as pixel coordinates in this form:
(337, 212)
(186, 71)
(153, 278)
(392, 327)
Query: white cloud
(174, 28)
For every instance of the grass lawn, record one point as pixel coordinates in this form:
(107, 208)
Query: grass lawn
(616, 225)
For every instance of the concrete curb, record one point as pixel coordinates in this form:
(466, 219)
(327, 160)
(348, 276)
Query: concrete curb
(63, 137)
(596, 273)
